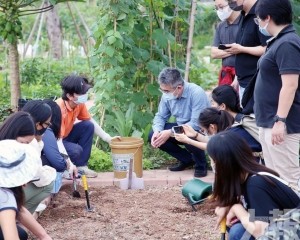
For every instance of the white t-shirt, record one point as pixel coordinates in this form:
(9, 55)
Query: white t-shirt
(7, 200)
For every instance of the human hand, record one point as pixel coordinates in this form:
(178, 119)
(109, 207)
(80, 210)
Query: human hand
(278, 132)
(189, 131)
(234, 48)
(231, 217)
(221, 214)
(116, 137)
(159, 138)
(235, 84)
(181, 137)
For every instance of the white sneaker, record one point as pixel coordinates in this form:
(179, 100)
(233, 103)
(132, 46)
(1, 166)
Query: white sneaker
(87, 172)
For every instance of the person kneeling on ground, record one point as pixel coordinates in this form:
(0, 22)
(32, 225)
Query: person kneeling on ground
(184, 101)
(249, 195)
(19, 164)
(78, 137)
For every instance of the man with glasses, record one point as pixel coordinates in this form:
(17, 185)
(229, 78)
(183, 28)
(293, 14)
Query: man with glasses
(226, 32)
(184, 101)
(250, 43)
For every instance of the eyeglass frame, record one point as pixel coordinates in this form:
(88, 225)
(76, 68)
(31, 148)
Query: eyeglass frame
(167, 91)
(220, 8)
(257, 20)
(48, 124)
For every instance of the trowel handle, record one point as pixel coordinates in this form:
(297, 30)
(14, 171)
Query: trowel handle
(223, 228)
(84, 182)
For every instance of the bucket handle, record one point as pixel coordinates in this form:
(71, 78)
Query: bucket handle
(192, 201)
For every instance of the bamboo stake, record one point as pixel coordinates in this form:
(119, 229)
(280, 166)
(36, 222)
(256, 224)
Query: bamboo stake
(78, 31)
(190, 39)
(88, 31)
(33, 30)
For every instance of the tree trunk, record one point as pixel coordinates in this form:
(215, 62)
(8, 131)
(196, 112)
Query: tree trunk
(14, 75)
(190, 40)
(54, 32)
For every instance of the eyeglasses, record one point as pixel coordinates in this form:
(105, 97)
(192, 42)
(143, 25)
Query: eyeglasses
(257, 20)
(220, 8)
(167, 91)
(48, 124)
(203, 131)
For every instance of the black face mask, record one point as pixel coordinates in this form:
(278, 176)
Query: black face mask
(40, 132)
(235, 7)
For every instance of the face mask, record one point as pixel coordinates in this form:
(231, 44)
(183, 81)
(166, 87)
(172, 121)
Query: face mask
(264, 30)
(81, 99)
(169, 96)
(235, 7)
(224, 14)
(40, 132)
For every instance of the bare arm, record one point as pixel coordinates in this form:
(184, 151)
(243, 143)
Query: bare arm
(26, 218)
(8, 224)
(219, 54)
(255, 228)
(237, 49)
(286, 98)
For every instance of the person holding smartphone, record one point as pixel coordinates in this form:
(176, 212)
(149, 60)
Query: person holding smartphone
(184, 101)
(226, 32)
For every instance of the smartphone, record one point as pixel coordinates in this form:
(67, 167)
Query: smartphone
(223, 47)
(177, 129)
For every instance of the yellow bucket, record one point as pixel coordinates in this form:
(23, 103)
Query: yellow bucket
(122, 151)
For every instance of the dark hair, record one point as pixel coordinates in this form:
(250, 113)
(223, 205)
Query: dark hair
(233, 161)
(227, 95)
(170, 76)
(19, 124)
(19, 196)
(74, 84)
(39, 110)
(56, 117)
(280, 11)
(211, 115)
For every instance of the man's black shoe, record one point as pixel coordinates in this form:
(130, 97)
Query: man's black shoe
(180, 167)
(199, 174)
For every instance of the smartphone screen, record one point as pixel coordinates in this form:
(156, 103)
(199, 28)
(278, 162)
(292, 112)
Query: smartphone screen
(178, 129)
(223, 47)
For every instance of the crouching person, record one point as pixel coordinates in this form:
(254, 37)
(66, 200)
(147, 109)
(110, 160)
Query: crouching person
(19, 164)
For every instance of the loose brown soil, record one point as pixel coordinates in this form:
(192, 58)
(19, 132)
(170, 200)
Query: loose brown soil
(154, 213)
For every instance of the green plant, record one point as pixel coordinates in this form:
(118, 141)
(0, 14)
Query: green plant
(124, 122)
(100, 161)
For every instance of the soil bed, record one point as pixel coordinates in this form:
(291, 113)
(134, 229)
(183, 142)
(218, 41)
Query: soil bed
(154, 213)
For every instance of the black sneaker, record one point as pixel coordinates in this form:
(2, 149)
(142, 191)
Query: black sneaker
(200, 174)
(180, 167)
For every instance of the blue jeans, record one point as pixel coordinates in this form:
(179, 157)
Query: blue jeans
(238, 232)
(79, 142)
(186, 155)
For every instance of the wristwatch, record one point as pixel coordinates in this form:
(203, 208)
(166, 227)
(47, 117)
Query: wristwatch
(277, 119)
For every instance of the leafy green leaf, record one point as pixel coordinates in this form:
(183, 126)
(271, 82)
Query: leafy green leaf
(111, 39)
(121, 16)
(110, 51)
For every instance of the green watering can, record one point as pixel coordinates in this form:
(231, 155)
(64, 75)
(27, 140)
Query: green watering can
(196, 191)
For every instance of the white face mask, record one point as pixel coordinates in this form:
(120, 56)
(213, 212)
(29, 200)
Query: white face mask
(170, 95)
(81, 99)
(224, 13)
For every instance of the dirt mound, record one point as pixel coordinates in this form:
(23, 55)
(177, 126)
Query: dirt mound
(153, 213)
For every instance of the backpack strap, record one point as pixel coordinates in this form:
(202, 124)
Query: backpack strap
(273, 176)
